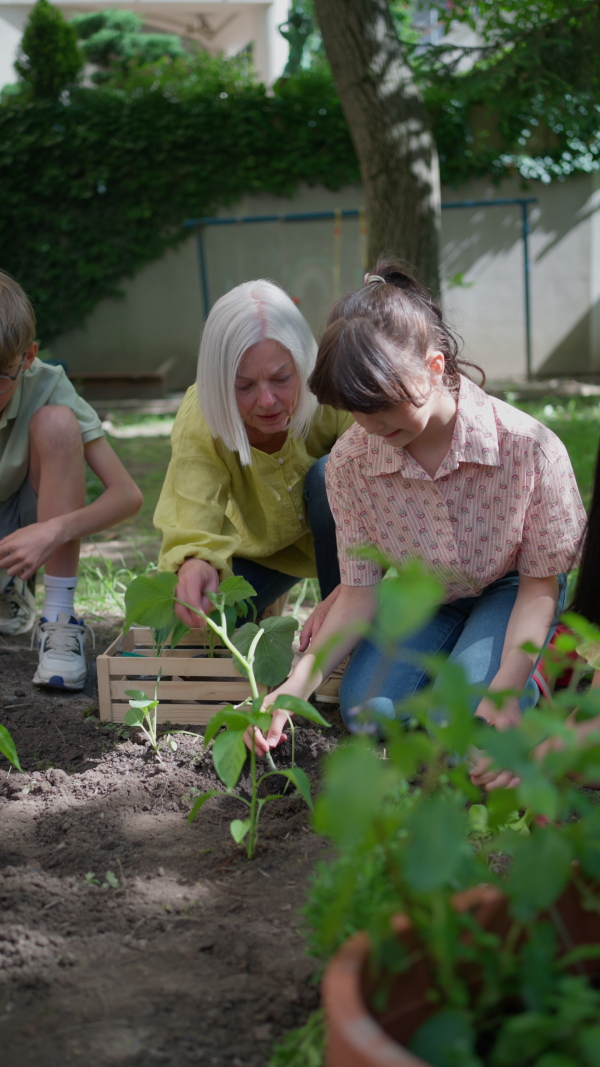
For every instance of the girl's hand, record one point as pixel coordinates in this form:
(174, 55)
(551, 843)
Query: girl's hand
(316, 619)
(196, 578)
(24, 551)
(279, 718)
(482, 773)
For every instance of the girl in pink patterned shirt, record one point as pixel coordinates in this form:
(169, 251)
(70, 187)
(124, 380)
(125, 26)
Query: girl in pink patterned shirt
(437, 469)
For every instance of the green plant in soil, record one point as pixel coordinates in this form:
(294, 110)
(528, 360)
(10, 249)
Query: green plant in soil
(411, 831)
(262, 653)
(8, 748)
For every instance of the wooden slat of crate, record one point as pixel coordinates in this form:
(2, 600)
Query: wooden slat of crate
(193, 687)
(184, 714)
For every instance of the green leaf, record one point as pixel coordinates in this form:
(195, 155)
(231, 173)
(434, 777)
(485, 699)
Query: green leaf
(179, 632)
(274, 653)
(356, 782)
(540, 871)
(406, 603)
(228, 716)
(260, 719)
(478, 819)
(536, 792)
(112, 879)
(149, 601)
(589, 1043)
(236, 589)
(8, 748)
(146, 705)
(299, 707)
(437, 843)
(239, 828)
(445, 1039)
(201, 801)
(134, 717)
(137, 695)
(297, 776)
(229, 756)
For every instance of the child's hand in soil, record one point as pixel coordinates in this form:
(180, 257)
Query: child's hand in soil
(279, 718)
(482, 773)
(23, 552)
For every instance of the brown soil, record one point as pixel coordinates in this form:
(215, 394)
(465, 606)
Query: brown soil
(195, 956)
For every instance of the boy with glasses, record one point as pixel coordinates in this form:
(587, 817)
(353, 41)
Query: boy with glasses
(47, 434)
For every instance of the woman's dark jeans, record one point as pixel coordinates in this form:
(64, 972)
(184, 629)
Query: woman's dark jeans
(271, 584)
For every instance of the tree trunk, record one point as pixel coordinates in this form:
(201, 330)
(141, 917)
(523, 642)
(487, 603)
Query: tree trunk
(391, 131)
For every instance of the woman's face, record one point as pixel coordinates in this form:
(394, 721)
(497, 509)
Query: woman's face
(267, 386)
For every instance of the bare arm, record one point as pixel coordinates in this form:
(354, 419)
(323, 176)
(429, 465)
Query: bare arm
(529, 623)
(354, 604)
(25, 550)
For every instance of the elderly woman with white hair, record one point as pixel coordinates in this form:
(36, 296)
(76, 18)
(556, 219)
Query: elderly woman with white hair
(244, 493)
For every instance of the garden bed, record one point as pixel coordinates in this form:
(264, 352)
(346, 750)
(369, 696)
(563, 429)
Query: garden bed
(185, 952)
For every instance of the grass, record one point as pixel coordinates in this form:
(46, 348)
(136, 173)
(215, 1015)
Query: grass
(577, 423)
(105, 575)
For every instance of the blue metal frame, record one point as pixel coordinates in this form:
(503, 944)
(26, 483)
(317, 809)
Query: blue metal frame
(353, 213)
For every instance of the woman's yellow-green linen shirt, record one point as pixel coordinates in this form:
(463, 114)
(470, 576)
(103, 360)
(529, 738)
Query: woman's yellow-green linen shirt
(213, 508)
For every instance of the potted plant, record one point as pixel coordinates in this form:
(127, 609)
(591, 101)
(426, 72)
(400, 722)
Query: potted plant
(481, 914)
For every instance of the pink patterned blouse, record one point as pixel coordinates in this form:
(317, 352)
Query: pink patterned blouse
(504, 498)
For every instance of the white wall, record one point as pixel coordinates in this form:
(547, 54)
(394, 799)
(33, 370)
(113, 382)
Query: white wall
(12, 21)
(158, 323)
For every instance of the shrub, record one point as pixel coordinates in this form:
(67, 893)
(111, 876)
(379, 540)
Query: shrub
(49, 59)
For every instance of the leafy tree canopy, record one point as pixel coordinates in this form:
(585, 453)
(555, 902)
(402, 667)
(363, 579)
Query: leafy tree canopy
(113, 41)
(524, 98)
(48, 59)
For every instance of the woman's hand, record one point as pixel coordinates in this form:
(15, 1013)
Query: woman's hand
(316, 619)
(24, 551)
(196, 578)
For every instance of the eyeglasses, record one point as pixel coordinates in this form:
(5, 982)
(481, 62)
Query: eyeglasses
(6, 380)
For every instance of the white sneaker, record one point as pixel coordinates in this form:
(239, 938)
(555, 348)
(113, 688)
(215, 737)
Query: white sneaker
(62, 652)
(17, 605)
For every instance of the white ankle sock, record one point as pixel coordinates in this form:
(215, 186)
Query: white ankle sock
(60, 593)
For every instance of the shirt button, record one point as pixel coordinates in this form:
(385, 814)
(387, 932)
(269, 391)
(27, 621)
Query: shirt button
(289, 488)
(280, 461)
(301, 517)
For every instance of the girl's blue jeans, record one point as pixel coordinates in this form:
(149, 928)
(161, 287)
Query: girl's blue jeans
(270, 584)
(470, 630)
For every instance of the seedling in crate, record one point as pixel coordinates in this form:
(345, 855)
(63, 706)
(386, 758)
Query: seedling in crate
(263, 653)
(143, 713)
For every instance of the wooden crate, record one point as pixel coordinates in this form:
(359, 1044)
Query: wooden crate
(193, 685)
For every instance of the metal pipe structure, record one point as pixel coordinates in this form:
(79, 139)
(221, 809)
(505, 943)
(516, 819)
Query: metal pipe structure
(353, 213)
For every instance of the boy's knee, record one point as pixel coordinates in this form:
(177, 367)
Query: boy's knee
(55, 428)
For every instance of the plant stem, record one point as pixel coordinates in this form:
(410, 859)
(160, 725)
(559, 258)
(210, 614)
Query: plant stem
(221, 632)
(253, 799)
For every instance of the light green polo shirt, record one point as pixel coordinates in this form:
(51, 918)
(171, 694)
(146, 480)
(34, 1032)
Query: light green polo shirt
(41, 384)
(213, 508)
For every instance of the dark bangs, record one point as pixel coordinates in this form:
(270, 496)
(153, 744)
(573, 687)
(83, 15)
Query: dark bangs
(357, 369)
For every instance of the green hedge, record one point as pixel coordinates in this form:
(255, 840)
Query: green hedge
(93, 188)
(95, 185)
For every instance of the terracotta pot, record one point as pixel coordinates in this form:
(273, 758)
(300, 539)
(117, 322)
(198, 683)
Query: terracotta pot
(356, 1038)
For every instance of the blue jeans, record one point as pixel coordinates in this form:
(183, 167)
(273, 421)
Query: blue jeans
(271, 584)
(471, 630)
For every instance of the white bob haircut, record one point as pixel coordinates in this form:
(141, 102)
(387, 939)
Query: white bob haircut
(252, 312)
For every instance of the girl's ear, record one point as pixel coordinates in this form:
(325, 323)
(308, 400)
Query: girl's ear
(437, 364)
